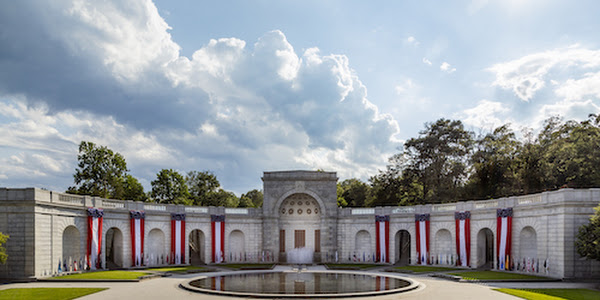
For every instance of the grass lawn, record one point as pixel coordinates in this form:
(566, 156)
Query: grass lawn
(48, 293)
(424, 269)
(352, 266)
(552, 294)
(103, 275)
(178, 269)
(246, 266)
(492, 275)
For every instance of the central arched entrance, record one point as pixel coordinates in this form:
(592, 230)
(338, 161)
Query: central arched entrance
(402, 241)
(485, 249)
(114, 248)
(299, 227)
(196, 247)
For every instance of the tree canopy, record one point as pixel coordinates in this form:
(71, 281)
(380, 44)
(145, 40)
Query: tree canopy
(103, 172)
(588, 237)
(3, 255)
(253, 198)
(169, 187)
(444, 163)
(447, 163)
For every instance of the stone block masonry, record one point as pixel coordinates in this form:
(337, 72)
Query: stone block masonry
(299, 210)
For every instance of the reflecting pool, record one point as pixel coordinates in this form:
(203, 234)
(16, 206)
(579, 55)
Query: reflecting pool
(319, 284)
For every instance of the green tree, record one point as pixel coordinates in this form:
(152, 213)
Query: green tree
(341, 202)
(133, 189)
(387, 185)
(3, 255)
(169, 187)
(494, 164)
(571, 153)
(222, 198)
(354, 192)
(438, 159)
(529, 172)
(588, 238)
(201, 185)
(253, 198)
(100, 172)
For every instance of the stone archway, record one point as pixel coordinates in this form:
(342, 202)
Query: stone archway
(402, 241)
(197, 246)
(363, 248)
(156, 247)
(485, 249)
(114, 248)
(300, 227)
(443, 250)
(528, 243)
(71, 245)
(237, 246)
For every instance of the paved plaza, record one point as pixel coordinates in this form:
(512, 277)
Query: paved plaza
(429, 288)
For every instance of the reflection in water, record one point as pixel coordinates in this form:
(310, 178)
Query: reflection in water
(300, 283)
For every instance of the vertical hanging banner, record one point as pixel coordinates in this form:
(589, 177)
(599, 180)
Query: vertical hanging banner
(382, 242)
(504, 237)
(422, 226)
(137, 237)
(94, 238)
(463, 237)
(177, 238)
(217, 224)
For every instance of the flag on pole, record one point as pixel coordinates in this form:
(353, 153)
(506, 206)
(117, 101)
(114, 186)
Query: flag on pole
(94, 237)
(422, 226)
(217, 223)
(504, 235)
(137, 237)
(382, 233)
(177, 238)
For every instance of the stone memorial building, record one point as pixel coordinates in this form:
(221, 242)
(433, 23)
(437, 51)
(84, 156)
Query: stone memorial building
(52, 232)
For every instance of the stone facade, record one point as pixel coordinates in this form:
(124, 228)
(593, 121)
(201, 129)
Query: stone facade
(299, 210)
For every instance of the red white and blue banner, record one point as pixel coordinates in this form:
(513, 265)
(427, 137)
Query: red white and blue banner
(422, 226)
(382, 242)
(137, 237)
(94, 238)
(463, 237)
(504, 237)
(217, 225)
(177, 239)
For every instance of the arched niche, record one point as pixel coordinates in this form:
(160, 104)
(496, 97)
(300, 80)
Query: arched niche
(114, 248)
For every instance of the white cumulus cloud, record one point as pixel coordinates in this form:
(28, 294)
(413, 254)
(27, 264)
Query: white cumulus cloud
(446, 67)
(528, 75)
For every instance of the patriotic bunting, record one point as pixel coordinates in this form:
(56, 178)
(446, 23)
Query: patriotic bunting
(463, 237)
(422, 226)
(177, 239)
(217, 223)
(504, 237)
(382, 243)
(94, 237)
(137, 237)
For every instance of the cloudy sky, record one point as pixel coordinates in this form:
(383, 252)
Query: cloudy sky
(242, 87)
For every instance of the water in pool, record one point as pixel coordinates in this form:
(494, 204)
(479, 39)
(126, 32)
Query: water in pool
(300, 283)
